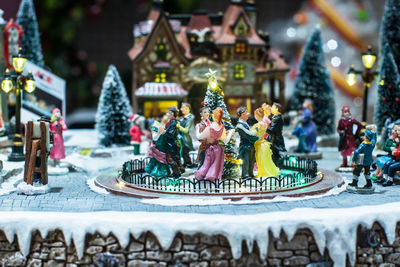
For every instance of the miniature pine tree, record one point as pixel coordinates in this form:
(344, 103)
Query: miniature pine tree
(30, 40)
(388, 102)
(215, 98)
(113, 111)
(390, 28)
(313, 82)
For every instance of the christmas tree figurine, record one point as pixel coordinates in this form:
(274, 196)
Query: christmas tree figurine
(390, 29)
(30, 40)
(113, 111)
(313, 82)
(388, 101)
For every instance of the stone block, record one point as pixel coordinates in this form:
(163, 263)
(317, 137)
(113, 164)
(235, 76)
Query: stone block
(53, 244)
(94, 250)
(97, 241)
(199, 264)
(223, 241)
(387, 265)
(152, 243)
(301, 252)
(135, 246)
(315, 256)
(58, 253)
(111, 240)
(72, 258)
(219, 263)
(35, 247)
(6, 246)
(113, 247)
(176, 245)
(52, 263)
(142, 263)
(296, 261)
(215, 253)
(136, 255)
(393, 258)
(209, 240)
(12, 259)
(44, 256)
(274, 262)
(313, 248)
(71, 265)
(366, 251)
(280, 254)
(186, 256)
(158, 255)
(34, 263)
(298, 242)
(190, 239)
(384, 250)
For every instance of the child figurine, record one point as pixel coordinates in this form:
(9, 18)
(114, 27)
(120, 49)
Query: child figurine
(184, 127)
(57, 126)
(247, 139)
(205, 114)
(366, 148)
(136, 134)
(348, 129)
(275, 134)
(308, 126)
(301, 136)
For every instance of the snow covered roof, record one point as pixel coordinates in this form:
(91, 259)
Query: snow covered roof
(152, 89)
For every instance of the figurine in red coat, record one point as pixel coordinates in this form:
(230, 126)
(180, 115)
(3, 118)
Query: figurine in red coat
(136, 134)
(348, 129)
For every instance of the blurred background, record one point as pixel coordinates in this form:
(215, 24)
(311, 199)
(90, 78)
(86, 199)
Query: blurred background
(81, 38)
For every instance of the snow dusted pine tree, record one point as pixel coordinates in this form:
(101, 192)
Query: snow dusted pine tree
(390, 29)
(215, 98)
(113, 111)
(313, 82)
(30, 40)
(388, 102)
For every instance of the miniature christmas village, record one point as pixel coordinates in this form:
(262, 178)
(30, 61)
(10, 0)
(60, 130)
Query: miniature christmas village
(219, 153)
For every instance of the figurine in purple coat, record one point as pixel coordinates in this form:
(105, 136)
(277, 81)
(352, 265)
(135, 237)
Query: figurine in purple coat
(57, 126)
(309, 128)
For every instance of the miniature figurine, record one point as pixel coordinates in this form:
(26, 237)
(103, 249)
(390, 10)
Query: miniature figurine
(57, 126)
(275, 134)
(366, 148)
(263, 152)
(214, 154)
(158, 165)
(308, 126)
(184, 127)
(301, 136)
(171, 135)
(136, 134)
(348, 129)
(205, 114)
(247, 139)
(391, 144)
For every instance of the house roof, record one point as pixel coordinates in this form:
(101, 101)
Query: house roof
(274, 55)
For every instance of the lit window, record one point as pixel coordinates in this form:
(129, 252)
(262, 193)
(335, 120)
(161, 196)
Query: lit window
(161, 51)
(238, 71)
(240, 47)
(161, 77)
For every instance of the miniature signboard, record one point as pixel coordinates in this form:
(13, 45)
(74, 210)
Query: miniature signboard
(49, 94)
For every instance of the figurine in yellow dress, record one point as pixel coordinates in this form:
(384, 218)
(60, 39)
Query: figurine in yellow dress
(265, 165)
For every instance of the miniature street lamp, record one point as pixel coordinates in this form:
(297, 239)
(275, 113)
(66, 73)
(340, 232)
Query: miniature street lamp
(20, 82)
(368, 59)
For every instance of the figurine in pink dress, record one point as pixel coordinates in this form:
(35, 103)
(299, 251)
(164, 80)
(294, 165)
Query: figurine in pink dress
(57, 126)
(214, 153)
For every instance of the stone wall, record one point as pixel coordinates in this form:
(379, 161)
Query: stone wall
(194, 250)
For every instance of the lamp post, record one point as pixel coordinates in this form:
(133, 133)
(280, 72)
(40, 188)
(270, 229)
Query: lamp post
(18, 81)
(368, 59)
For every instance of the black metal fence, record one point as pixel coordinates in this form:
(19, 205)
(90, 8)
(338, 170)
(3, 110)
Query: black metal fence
(304, 172)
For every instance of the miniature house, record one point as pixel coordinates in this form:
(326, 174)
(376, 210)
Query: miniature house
(171, 54)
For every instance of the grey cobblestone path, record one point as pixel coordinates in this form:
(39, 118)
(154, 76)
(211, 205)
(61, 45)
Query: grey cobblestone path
(70, 193)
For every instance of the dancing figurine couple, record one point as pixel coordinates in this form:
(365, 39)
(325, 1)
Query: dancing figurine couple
(262, 143)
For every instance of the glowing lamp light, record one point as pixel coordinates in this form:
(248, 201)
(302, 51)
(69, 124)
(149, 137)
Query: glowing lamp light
(368, 58)
(293, 160)
(30, 83)
(351, 76)
(213, 84)
(382, 82)
(19, 62)
(7, 84)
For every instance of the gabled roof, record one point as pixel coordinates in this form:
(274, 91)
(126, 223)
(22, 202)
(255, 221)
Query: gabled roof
(231, 16)
(273, 55)
(199, 22)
